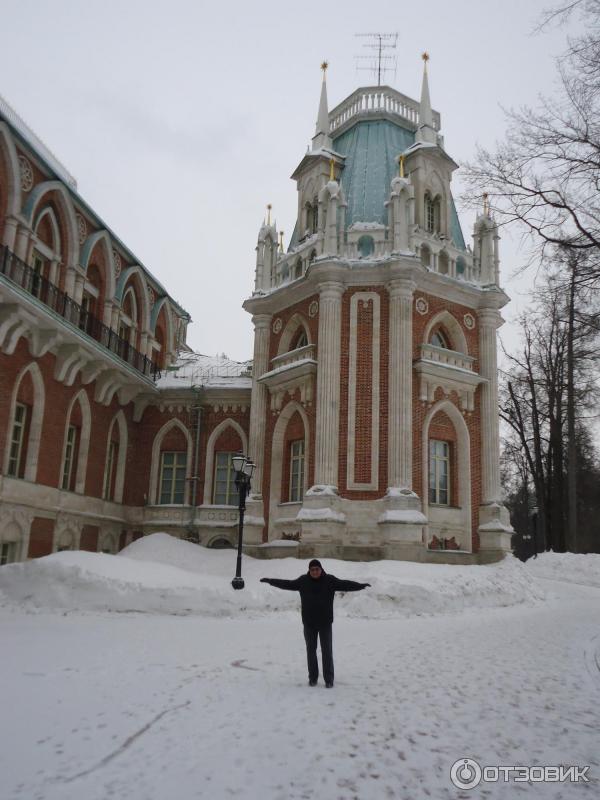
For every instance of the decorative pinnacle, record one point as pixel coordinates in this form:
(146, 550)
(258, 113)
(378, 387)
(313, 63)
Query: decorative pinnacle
(324, 66)
(486, 204)
(281, 241)
(269, 207)
(425, 57)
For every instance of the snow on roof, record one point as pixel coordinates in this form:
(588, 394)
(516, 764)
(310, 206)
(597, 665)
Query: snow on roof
(196, 369)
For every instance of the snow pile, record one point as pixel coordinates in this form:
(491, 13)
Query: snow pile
(570, 567)
(163, 575)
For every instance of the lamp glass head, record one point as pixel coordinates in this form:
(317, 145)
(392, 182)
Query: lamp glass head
(238, 461)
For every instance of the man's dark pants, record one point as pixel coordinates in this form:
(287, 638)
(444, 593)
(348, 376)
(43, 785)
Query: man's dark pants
(324, 634)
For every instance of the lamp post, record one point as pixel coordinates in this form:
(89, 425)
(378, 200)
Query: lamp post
(244, 468)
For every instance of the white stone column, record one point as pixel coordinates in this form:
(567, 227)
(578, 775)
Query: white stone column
(258, 401)
(78, 290)
(22, 243)
(70, 281)
(328, 384)
(400, 383)
(489, 321)
(53, 275)
(10, 233)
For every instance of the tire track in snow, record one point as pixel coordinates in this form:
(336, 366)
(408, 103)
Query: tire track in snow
(123, 747)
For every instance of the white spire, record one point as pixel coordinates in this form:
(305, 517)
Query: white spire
(321, 137)
(426, 131)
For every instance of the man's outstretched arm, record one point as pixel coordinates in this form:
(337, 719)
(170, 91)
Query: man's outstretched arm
(348, 586)
(281, 583)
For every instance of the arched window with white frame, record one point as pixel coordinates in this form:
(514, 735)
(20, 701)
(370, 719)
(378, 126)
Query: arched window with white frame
(25, 424)
(76, 443)
(171, 465)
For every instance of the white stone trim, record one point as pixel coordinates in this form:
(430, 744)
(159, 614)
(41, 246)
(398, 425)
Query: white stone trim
(463, 444)
(118, 419)
(155, 466)
(15, 526)
(365, 297)
(296, 321)
(210, 454)
(35, 425)
(84, 440)
(48, 252)
(277, 456)
(452, 325)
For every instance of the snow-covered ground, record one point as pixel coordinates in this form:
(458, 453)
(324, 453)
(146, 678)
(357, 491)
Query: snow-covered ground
(145, 676)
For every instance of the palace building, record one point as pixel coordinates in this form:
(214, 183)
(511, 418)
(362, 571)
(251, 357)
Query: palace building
(370, 406)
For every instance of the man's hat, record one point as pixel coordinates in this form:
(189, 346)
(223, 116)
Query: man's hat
(315, 563)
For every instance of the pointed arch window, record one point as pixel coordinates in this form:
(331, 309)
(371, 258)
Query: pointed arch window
(438, 339)
(18, 441)
(70, 458)
(439, 472)
(225, 491)
(172, 477)
(429, 214)
(296, 485)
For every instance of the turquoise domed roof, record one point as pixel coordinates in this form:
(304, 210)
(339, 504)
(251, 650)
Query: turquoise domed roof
(370, 148)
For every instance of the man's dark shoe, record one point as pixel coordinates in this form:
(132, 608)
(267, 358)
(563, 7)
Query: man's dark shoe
(313, 683)
(329, 685)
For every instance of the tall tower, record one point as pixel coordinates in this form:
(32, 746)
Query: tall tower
(374, 404)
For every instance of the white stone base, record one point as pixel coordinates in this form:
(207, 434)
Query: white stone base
(494, 530)
(401, 520)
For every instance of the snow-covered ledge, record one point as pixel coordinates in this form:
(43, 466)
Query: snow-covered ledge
(321, 516)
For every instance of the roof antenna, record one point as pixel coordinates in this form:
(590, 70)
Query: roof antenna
(379, 42)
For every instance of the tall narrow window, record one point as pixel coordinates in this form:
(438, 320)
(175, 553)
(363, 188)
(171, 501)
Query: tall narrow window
(225, 492)
(67, 476)
(8, 552)
(15, 462)
(296, 491)
(38, 264)
(429, 214)
(439, 472)
(109, 475)
(172, 478)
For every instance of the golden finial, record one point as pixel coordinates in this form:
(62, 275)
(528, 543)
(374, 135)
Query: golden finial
(425, 57)
(281, 241)
(331, 169)
(486, 204)
(401, 164)
(269, 207)
(324, 66)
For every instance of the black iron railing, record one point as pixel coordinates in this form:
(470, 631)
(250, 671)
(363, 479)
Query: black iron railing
(50, 295)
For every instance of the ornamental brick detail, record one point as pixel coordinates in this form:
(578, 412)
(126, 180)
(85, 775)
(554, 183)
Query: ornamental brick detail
(313, 309)
(26, 174)
(81, 228)
(277, 325)
(469, 321)
(421, 305)
(117, 262)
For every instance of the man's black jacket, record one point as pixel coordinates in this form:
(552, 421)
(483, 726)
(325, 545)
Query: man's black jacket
(316, 595)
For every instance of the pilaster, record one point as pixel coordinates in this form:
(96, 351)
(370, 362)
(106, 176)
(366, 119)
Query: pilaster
(255, 517)
(328, 383)
(494, 522)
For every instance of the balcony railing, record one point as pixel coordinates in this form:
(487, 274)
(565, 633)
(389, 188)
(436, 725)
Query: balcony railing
(50, 295)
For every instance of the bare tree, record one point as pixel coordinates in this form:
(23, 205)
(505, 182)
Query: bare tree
(545, 175)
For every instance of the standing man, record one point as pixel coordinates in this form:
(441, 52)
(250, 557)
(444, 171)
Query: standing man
(317, 590)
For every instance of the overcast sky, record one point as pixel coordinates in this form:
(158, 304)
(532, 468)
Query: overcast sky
(181, 120)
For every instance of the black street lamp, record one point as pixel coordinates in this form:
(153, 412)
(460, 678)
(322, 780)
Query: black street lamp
(244, 468)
